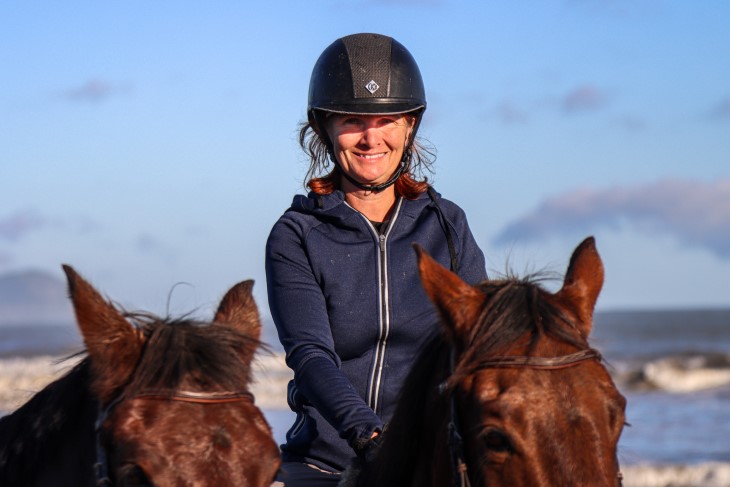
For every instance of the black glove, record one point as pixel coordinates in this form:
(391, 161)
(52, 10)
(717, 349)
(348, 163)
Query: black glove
(366, 449)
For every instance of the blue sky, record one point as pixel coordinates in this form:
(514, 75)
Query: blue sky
(154, 143)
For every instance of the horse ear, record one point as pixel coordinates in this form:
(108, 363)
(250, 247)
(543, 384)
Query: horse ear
(458, 303)
(583, 282)
(113, 344)
(239, 311)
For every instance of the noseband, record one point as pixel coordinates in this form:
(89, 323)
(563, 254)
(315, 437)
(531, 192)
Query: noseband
(101, 467)
(456, 442)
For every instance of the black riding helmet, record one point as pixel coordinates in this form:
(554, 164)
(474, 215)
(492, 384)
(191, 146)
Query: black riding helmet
(365, 74)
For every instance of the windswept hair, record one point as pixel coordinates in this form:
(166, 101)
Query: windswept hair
(323, 175)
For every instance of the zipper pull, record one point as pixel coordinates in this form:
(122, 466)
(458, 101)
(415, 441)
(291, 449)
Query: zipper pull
(382, 243)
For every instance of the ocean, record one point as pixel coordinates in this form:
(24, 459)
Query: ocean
(672, 366)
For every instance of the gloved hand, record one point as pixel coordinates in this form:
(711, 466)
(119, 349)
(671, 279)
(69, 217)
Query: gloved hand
(367, 449)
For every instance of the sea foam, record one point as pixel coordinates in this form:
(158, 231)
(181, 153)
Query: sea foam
(681, 373)
(22, 377)
(710, 474)
(688, 373)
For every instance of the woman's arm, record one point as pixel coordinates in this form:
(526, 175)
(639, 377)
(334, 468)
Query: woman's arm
(299, 311)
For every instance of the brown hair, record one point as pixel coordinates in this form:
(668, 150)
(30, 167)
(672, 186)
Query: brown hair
(323, 175)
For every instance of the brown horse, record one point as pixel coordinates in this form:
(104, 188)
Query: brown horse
(154, 402)
(511, 394)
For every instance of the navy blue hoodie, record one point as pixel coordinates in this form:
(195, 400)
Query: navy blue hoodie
(351, 312)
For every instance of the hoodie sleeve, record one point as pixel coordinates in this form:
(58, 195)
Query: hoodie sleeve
(299, 311)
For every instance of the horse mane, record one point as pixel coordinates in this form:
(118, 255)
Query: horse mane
(514, 309)
(190, 353)
(46, 424)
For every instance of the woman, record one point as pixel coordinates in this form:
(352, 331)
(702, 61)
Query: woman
(341, 272)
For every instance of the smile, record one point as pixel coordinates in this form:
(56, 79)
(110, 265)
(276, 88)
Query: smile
(371, 156)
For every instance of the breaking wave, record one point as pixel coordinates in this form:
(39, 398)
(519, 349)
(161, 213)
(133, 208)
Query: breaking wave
(710, 474)
(680, 373)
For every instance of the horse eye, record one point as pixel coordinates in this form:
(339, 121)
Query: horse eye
(132, 475)
(496, 440)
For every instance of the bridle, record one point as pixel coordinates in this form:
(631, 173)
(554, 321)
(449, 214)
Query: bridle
(101, 466)
(455, 440)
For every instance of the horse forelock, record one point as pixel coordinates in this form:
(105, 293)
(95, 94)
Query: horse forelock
(515, 311)
(190, 353)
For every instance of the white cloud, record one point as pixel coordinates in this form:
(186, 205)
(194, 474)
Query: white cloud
(696, 213)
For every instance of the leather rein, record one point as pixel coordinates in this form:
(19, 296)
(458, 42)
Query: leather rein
(455, 440)
(101, 467)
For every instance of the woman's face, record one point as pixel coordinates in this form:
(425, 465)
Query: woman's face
(369, 148)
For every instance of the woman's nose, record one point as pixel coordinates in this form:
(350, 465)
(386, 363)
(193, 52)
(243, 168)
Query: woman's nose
(371, 136)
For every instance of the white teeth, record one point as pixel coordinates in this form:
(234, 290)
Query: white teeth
(371, 156)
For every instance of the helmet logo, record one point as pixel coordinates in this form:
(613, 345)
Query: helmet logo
(372, 86)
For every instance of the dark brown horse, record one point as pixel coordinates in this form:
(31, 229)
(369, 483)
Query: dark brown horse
(155, 402)
(511, 394)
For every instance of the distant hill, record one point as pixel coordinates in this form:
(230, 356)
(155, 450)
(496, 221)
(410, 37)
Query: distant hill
(33, 297)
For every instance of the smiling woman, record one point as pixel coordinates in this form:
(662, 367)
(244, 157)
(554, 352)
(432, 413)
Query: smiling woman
(341, 272)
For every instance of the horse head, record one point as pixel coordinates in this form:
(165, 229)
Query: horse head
(174, 404)
(532, 404)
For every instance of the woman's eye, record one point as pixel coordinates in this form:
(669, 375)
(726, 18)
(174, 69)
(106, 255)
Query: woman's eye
(383, 122)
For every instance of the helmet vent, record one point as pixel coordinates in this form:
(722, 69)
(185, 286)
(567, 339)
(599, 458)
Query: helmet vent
(369, 61)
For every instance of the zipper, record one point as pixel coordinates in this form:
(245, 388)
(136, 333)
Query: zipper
(383, 323)
(376, 375)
